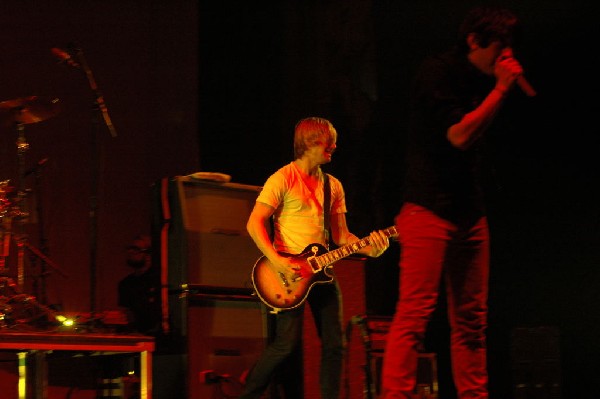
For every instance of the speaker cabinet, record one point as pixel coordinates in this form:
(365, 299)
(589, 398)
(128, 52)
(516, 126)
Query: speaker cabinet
(226, 338)
(208, 241)
(209, 257)
(535, 353)
(202, 230)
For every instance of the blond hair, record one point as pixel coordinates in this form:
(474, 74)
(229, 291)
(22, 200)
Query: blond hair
(309, 131)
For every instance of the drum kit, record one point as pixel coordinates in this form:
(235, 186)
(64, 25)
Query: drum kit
(18, 309)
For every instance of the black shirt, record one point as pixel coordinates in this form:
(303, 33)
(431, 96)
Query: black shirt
(439, 176)
(141, 295)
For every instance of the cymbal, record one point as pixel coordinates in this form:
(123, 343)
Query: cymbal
(27, 110)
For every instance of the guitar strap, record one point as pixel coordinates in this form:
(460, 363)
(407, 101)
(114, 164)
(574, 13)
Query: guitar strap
(326, 207)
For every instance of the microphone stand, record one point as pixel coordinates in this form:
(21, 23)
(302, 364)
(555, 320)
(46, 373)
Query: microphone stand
(100, 112)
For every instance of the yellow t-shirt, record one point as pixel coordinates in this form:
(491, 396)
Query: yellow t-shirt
(298, 217)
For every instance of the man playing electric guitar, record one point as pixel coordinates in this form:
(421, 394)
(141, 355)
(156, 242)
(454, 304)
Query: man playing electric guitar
(294, 198)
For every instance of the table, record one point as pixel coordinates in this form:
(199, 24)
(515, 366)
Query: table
(25, 343)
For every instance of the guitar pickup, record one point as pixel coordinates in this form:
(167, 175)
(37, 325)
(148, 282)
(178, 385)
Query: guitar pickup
(284, 280)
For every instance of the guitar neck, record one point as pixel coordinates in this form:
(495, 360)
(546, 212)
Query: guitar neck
(349, 249)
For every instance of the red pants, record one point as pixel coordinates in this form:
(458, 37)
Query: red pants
(431, 245)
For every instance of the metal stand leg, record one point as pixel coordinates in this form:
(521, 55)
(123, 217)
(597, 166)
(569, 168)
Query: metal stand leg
(22, 385)
(146, 375)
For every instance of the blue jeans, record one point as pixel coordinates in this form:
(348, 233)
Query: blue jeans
(324, 301)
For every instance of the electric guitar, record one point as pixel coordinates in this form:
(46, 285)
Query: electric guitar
(282, 291)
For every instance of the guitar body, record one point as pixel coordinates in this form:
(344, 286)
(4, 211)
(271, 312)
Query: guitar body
(288, 291)
(282, 292)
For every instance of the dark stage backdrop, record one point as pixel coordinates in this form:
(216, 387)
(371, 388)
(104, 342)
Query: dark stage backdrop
(143, 56)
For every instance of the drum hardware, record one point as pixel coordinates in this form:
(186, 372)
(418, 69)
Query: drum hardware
(16, 307)
(27, 110)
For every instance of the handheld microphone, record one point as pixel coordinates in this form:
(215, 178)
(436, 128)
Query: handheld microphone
(521, 81)
(526, 87)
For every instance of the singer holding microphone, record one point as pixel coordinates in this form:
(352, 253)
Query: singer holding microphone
(442, 224)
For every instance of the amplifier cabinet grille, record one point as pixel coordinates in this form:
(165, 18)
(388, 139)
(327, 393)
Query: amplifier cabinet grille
(220, 208)
(208, 241)
(220, 260)
(227, 338)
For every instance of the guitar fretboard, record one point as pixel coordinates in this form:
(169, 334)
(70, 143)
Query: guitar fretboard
(347, 250)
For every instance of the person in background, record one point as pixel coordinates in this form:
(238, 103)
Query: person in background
(139, 292)
(293, 199)
(442, 224)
